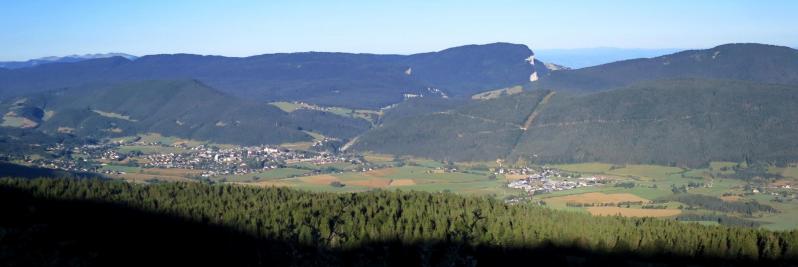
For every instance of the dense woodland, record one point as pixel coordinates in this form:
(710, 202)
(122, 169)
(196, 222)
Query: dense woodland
(182, 108)
(331, 79)
(686, 122)
(298, 227)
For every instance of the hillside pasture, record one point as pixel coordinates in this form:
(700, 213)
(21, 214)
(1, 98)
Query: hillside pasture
(498, 93)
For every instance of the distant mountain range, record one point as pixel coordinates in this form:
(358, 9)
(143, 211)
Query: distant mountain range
(336, 79)
(733, 102)
(66, 59)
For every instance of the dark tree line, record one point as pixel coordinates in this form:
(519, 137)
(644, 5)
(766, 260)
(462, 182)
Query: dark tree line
(717, 204)
(347, 222)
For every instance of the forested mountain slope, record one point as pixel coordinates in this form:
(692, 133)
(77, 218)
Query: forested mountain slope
(333, 79)
(184, 108)
(684, 122)
(483, 130)
(746, 62)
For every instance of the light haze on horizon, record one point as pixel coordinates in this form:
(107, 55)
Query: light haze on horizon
(33, 29)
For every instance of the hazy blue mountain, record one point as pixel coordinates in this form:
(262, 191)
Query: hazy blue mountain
(745, 62)
(65, 59)
(337, 79)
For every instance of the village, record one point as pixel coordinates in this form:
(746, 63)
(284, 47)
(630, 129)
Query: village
(210, 159)
(548, 180)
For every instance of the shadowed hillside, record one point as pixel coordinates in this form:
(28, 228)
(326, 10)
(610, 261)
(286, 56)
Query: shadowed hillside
(54, 222)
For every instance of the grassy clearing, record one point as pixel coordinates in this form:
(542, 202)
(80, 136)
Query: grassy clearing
(143, 177)
(113, 115)
(316, 136)
(369, 115)
(265, 175)
(378, 158)
(646, 172)
(632, 212)
(594, 167)
(498, 92)
(118, 168)
(286, 106)
(11, 120)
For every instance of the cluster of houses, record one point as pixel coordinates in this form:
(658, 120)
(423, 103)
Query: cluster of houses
(80, 165)
(549, 180)
(212, 160)
(238, 160)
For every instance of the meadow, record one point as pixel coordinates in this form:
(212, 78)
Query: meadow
(649, 193)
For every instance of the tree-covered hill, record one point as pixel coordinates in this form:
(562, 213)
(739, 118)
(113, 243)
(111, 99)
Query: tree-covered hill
(99, 223)
(685, 122)
(746, 62)
(183, 108)
(478, 130)
(682, 122)
(333, 79)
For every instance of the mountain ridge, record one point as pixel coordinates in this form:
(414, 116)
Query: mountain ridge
(738, 61)
(334, 79)
(65, 59)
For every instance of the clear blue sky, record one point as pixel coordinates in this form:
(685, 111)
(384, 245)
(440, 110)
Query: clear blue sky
(30, 28)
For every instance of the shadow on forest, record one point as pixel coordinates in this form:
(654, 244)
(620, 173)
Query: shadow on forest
(41, 232)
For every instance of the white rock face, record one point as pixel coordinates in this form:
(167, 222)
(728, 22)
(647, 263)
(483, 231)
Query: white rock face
(531, 60)
(534, 76)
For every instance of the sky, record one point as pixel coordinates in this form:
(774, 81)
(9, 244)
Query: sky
(32, 29)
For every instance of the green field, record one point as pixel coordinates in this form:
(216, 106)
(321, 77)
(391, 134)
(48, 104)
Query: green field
(265, 175)
(651, 182)
(120, 168)
(418, 178)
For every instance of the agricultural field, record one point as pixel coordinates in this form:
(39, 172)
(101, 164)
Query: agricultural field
(137, 174)
(626, 190)
(654, 185)
(417, 177)
(265, 175)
